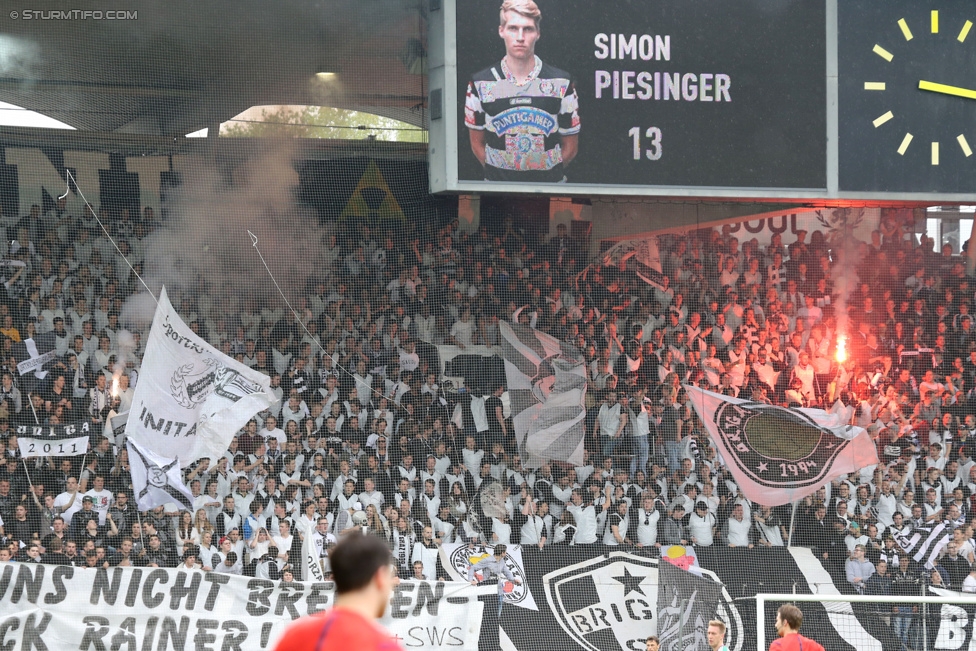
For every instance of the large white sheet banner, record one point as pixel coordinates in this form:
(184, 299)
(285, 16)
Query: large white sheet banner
(47, 607)
(191, 399)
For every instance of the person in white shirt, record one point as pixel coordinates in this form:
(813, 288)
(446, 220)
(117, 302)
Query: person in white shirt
(443, 524)
(701, 526)
(640, 430)
(538, 526)
(102, 498)
(471, 454)
(612, 421)
(618, 524)
(370, 495)
(647, 519)
(768, 527)
(501, 530)
(462, 332)
(271, 429)
(585, 516)
(562, 493)
(969, 583)
(69, 501)
(429, 498)
(885, 504)
(283, 540)
(425, 552)
(738, 528)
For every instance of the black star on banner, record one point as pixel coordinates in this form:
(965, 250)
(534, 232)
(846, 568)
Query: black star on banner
(631, 581)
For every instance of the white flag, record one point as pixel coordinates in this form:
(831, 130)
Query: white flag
(191, 399)
(779, 455)
(311, 566)
(155, 480)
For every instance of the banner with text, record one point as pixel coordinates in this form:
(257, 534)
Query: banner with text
(588, 597)
(62, 607)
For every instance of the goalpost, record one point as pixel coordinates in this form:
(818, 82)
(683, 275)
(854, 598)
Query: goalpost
(872, 623)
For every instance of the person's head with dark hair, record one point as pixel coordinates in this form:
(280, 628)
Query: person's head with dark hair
(789, 618)
(361, 569)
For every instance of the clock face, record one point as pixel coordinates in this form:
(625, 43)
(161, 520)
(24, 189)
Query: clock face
(907, 96)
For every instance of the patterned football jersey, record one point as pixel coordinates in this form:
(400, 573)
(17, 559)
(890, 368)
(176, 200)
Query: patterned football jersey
(523, 123)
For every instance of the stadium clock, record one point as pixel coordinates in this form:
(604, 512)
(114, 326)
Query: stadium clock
(908, 98)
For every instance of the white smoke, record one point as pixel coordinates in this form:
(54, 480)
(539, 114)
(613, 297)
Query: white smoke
(844, 246)
(203, 245)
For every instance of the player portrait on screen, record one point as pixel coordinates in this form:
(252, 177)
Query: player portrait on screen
(522, 114)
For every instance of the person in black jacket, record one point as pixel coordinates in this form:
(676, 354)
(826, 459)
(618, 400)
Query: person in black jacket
(905, 582)
(53, 554)
(156, 555)
(956, 566)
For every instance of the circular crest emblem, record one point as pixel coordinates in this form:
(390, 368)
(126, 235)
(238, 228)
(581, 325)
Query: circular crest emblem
(463, 557)
(156, 476)
(776, 447)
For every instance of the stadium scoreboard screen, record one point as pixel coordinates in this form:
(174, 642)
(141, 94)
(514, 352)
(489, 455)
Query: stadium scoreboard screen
(779, 99)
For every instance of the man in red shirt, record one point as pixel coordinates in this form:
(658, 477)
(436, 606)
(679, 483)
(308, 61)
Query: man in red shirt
(363, 573)
(788, 621)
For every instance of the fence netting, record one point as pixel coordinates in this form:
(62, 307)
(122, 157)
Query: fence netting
(378, 314)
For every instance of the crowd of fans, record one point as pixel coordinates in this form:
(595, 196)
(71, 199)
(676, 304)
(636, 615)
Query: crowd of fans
(364, 435)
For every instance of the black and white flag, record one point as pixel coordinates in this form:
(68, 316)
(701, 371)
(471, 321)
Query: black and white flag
(779, 455)
(156, 480)
(115, 427)
(191, 398)
(53, 440)
(33, 354)
(924, 544)
(547, 387)
(685, 604)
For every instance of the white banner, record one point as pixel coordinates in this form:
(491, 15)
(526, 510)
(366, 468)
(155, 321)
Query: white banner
(458, 557)
(53, 440)
(311, 561)
(62, 607)
(191, 399)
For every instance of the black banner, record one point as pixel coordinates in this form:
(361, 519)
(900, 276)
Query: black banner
(591, 597)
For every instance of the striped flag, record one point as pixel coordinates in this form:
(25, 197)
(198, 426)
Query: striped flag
(685, 605)
(924, 544)
(645, 255)
(546, 386)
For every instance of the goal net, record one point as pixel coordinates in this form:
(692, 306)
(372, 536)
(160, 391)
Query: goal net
(942, 619)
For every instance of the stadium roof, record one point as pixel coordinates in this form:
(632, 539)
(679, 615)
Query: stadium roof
(170, 68)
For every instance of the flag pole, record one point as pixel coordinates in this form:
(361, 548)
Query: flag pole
(37, 421)
(142, 535)
(789, 540)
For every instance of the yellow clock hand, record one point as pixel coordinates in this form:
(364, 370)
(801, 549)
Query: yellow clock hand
(947, 90)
